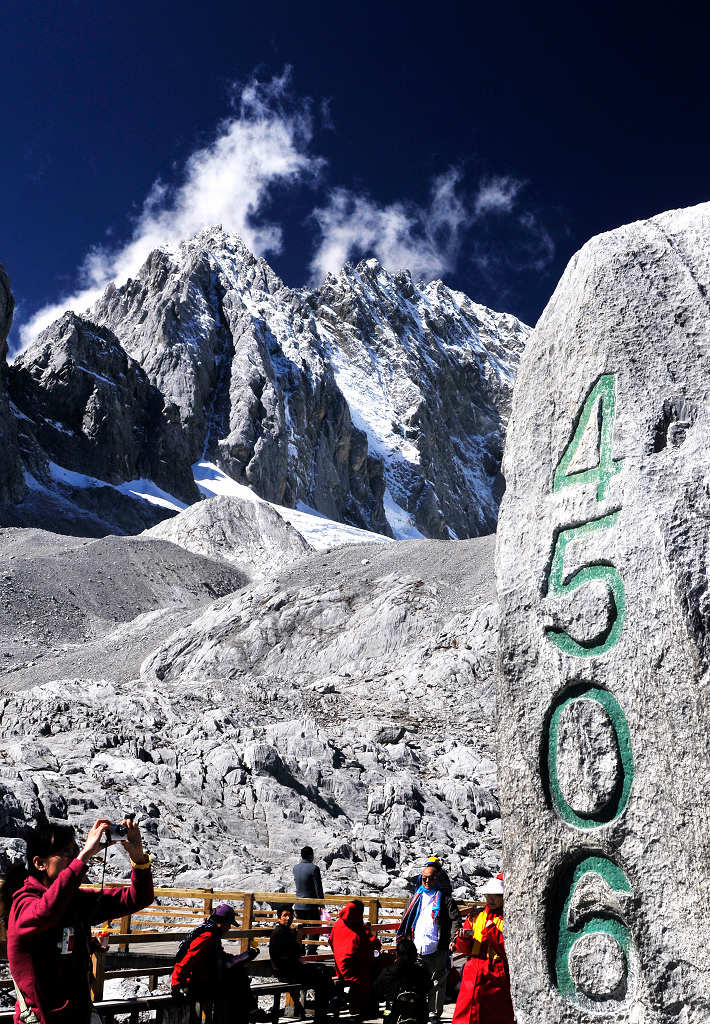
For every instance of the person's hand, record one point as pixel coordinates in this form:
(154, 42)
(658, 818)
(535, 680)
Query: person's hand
(452, 947)
(133, 843)
(94, 844)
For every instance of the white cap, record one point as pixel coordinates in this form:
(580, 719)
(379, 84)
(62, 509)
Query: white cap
(493, 887)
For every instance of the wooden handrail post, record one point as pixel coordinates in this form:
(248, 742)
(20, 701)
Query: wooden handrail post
(98, 970)
(125, 930)
(247, 917)
(207, 904)
(373, 910)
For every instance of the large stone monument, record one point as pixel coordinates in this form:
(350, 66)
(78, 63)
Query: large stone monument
(604, 687)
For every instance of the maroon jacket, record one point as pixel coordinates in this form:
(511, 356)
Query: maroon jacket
(48, 938)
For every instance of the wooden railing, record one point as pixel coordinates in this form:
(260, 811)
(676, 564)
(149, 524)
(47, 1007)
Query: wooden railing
(175, 912)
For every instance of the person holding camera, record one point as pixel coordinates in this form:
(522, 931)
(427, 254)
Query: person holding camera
(50, 917)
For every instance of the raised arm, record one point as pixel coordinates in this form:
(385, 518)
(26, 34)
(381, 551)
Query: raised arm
(36, 914)
(128, 898)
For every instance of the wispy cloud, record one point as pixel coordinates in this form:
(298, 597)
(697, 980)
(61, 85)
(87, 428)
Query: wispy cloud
(423, 239)
(496, 195)
(227, 182)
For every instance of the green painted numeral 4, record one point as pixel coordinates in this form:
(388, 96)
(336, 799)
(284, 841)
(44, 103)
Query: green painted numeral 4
(602, 399)
(588, 574)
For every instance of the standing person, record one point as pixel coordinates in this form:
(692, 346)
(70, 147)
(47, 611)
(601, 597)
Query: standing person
(50, 918)
(204, 973)
(306, 875)
(285, 951)
(484, 997)
(429, 920)
(354, 948)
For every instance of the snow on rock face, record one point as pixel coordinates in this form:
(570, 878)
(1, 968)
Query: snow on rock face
(11, 476)
(372, 400)
(428, 376)
(93, 410)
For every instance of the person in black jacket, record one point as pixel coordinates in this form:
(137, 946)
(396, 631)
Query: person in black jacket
(306, 875)
(405, 987)
(285, 951)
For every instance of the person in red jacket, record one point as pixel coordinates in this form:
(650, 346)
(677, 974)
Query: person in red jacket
(50, 918)
(354, 947)
(484, 996)
(204, 973)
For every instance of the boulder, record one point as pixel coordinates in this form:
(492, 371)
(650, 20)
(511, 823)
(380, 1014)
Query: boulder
(603, 687)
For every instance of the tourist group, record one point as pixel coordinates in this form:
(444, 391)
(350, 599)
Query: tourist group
(49, 917)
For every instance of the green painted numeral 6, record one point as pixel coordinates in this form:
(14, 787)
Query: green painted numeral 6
(588, 574)
(590, 923)
(603, 393)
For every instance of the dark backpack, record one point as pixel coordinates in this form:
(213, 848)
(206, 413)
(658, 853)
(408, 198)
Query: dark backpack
(187, 942)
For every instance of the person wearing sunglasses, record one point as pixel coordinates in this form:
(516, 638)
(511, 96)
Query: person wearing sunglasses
(429, 920)
(50, 918)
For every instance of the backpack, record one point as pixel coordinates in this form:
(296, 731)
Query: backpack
(187, 942)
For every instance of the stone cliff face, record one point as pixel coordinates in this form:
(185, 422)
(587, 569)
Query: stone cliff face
(604, 636)
(12, 485)
(93, 410)
(226, 341)
(375, 401)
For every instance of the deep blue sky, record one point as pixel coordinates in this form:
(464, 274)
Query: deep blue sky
(597, 112)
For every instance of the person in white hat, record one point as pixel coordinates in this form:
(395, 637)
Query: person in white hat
(484, 996)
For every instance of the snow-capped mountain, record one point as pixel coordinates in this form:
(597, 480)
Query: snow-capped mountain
(373, 400)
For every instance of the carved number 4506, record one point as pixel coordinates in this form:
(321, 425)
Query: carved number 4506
(602, 401)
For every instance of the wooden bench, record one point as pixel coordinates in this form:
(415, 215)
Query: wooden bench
(167, 1009)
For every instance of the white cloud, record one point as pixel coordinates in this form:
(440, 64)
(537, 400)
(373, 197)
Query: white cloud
(226, 183)
(425, 240)
(496, 195)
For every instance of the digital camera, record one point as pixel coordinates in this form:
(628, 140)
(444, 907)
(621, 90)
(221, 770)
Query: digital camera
(117, 833)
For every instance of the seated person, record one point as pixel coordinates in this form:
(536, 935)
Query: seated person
(354, 949)
(206, 974)
(285, 951)
(405, 987)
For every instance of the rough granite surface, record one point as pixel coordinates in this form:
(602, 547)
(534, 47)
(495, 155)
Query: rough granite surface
(602, 556)
(12, 484)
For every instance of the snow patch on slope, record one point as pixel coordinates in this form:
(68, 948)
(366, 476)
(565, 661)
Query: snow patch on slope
(320, 532)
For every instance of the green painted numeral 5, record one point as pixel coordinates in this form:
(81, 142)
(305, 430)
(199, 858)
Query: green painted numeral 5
(601, 398)
(589, 573)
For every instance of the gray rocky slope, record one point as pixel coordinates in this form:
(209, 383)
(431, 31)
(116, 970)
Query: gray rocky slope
(605, 637)
(346, 700)
(374, 400)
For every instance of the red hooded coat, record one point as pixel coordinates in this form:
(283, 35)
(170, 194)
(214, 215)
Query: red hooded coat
(353, 948)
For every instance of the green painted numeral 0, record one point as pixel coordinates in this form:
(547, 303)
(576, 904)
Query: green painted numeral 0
(601, 398)
(589, 573)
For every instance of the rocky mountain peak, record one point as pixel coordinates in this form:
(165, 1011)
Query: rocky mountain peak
(11, 476)
(373, 400)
